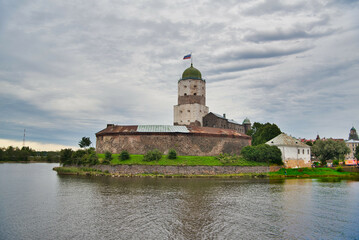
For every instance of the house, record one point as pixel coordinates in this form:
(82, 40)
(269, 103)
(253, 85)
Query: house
(295, 154)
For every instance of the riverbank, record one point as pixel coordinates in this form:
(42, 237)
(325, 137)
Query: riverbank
(251, 172)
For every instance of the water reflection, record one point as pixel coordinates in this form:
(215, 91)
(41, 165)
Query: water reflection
(36, 203)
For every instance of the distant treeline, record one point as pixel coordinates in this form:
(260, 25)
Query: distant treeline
(25, 154)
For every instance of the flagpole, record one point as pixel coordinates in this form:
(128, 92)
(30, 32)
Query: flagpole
(191, 59)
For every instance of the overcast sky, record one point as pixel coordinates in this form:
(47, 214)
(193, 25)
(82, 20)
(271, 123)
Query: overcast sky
(67, 68)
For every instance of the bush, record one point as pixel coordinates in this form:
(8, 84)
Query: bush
(124, 155)
(263, 153)
(153, 155)
(92, 158)
(108, 156)
(226, 158)
(339, 169)
(335, 162)
(66, 156)
(172, 154)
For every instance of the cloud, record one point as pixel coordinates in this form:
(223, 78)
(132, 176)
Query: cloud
(67, 69)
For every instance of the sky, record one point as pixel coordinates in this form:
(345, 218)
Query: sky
(67, 68)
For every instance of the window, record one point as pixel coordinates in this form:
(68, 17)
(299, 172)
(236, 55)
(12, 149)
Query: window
(185, 86)
(303, 151)
(195, 86)
(195, 94)
(308, 151)
(185, 94)
(188, 110)
(298, 151)
(180, 111)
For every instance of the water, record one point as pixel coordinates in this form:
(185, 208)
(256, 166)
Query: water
(36, 203)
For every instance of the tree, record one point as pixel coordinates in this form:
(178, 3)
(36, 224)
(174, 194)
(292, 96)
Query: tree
(85, 142)
(263, 153)
(262, 133)
(356, 154)
(66, 156)
(329, 149)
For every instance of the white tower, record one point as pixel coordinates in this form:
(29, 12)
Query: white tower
(191, 106)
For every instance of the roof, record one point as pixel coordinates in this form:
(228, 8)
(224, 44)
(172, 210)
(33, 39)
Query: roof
(352, 141)
(162, 128)
(246, 121)
(191, 73)
(218, 115)
(112, 129)
(285, 140)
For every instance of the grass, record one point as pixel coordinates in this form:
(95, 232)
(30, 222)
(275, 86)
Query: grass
(180, 161)
(79, 171)
(310, 172)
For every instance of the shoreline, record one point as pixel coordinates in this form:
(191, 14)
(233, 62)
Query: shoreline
(88, 171)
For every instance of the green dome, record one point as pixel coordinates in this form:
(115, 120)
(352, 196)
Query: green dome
(246, 121)
(191, 73)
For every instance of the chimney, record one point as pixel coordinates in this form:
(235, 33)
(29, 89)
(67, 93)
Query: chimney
(224, 115)
(110, 125)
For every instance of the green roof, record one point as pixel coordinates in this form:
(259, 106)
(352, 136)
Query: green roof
(191, 73)
(246, 121)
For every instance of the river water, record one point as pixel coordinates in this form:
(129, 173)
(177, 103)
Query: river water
(36, 203)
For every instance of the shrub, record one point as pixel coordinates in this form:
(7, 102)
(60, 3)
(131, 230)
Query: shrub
(92, 158)
(124, 155)
(108, 156)
(66, 156)
(335, 162)
(226, 158)
(172, 154)
(153, 155)
(339, 169)
(263, 153)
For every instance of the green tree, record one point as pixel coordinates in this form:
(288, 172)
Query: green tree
(356, 154)
(85, 142)
(329, 149)
(263, 153)
(262, 133)
(66, 156)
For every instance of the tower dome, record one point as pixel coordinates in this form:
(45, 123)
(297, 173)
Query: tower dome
(191, 73)
(246, 121)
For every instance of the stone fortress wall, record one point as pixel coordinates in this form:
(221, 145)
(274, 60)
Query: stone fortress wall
(190, 144)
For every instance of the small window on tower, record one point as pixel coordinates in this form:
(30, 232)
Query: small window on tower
(195, 86)
(181, 111)
(195, 94)
(188, 110)
(185, 86)
(185, 94)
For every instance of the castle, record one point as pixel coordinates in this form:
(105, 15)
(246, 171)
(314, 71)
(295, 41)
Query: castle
(195, 130)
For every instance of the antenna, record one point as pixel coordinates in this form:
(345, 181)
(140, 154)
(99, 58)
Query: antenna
(23, 140)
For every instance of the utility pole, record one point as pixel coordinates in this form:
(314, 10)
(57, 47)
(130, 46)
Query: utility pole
(23, 140)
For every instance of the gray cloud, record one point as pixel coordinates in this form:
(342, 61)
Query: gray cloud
(67, 69)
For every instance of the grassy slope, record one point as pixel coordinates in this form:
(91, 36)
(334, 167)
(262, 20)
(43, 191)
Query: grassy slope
(181, 160)
(309, 172)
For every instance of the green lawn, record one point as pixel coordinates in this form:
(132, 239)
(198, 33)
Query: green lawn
(309, 172)
(181, 160)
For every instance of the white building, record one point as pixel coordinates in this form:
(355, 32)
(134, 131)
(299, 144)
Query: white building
(352, 144)
(295, 154)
